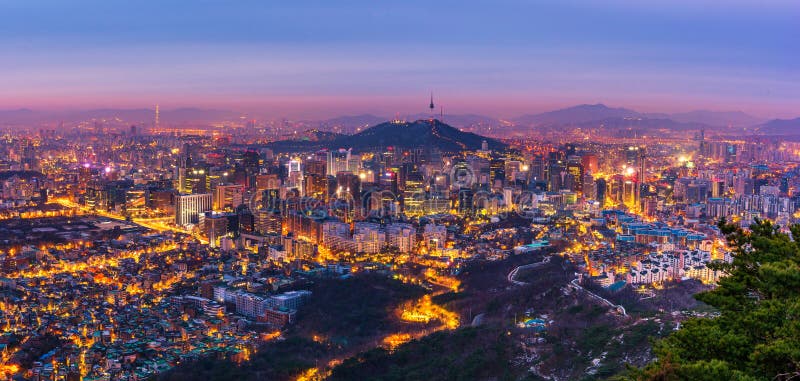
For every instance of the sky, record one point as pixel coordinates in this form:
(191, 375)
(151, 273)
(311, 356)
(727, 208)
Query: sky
(321, 58)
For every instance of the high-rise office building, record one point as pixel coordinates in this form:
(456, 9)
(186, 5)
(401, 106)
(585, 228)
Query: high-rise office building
(338, 161)
(497, 173)
(228, 196)
(189, 207)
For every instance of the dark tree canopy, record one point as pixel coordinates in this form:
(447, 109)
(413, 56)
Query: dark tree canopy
(757, 333)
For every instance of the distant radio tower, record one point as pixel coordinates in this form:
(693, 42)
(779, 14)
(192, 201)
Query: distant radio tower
(432, 106)
(157, 121)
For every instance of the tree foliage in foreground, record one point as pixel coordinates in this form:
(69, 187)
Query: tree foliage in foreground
(757, 334)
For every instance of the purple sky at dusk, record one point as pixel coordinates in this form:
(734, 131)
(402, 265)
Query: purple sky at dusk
(321, 58)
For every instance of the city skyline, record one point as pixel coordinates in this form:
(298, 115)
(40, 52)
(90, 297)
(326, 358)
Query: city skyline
(317, 61)
(416, 190)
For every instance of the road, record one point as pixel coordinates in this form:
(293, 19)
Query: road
(574, 284)
(478, 320)
(515, 271)
(158, 224)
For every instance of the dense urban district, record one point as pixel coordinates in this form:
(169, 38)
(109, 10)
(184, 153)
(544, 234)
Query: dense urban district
(250, 250)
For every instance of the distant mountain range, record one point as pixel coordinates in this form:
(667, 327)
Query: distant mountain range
(575, 115)
(717, 118)
(423, 133)
(586, 115)
(133, 116)
(780, 127)
(583, 114)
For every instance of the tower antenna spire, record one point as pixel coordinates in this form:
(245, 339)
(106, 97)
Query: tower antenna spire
(432, 106)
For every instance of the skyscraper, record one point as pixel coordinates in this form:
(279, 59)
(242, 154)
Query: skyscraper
(188, 208)
(497, 173)
(228, 196)
(337, 161)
